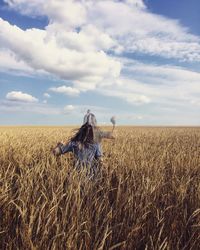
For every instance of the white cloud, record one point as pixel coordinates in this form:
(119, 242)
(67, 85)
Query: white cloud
(160, 85)
(165, 83)
(69, 108)
(136, 3)
(46, 95)
(9, 63)
(28, 107)
(41, 52)
(80, 46)
(72, 13)
(138, 30)
(74, 44)
(66, 90)
(31, 7)
(129, 93)
(20, 96)
(90, 38)
(134, 29)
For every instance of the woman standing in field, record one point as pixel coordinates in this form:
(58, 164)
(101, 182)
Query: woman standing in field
(99, 135)
(85, 145)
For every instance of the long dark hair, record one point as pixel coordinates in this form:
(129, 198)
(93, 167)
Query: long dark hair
(84, 135)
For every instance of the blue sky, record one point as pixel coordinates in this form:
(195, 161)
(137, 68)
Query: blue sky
(59, 58)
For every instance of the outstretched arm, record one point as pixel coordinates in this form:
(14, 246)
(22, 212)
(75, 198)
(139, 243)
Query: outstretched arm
(62, 148)
(65, 148)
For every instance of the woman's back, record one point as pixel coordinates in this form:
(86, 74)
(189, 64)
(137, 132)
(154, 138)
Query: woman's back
(84, 154)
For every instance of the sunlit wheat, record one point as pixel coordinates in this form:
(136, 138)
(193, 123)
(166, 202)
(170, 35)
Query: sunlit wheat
(146, 197)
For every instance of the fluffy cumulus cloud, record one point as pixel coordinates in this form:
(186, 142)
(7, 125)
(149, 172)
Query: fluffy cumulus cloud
(134, 28)
(9, 63)
(85, 43)
(19, 96)
(74, 44)
(72, 13)
(42, 53)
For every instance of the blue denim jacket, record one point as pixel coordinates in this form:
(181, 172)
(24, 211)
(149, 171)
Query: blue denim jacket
(84, 155)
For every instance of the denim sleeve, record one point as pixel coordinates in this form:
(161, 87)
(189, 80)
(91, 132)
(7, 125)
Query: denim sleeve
(65, 148)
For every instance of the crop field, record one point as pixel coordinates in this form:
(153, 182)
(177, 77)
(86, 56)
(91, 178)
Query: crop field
(147, 195)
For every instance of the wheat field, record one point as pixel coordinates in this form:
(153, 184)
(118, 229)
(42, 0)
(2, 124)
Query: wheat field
(147, 195)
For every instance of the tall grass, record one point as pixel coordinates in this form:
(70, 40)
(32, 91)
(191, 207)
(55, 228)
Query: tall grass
(147, 196)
